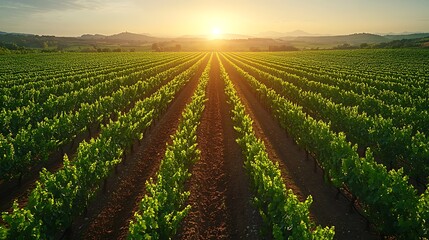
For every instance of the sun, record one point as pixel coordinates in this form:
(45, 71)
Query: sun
(216, 32)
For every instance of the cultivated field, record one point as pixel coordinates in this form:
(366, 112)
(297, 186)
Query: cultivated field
(237, 145)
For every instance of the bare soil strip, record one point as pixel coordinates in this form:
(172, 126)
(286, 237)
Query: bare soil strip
(110, 212)
(327, 209)
(220, 191)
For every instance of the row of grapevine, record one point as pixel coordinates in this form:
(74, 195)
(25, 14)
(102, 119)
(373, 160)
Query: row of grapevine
(53, 69)
(402, 108)
(163, 207)
(47, 79)
(60, 196)
(282, 212)
(324, 75)
(389, 202)
(20, 95)
(21, 117)
(401, 70)
(399, 147)
(31, 146)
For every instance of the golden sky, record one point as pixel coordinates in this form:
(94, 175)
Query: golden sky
(176, 18)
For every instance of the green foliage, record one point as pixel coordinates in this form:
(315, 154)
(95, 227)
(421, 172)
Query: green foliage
(60, 196)
(282, 212)
(4, 50)
(423, 211)
(387, 198)
(360, 116)
(25, 225)
(163, 208)
(323, 101)
(94, 104)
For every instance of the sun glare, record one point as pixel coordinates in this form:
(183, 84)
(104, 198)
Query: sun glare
(216, 32)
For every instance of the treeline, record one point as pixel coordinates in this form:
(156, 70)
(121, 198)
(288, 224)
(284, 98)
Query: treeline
(166, 47)
(23, 43)
(7, 48)
(276, 48)
(404, 43)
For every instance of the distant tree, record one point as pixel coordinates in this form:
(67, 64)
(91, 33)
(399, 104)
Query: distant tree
(13, 46)
(88, 50)
(275, 48)
(156, 47)
(364, 45)
(254, 49)
(62, 46)
(345, 46)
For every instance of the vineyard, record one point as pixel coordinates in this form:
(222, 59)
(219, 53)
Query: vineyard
(227, 145)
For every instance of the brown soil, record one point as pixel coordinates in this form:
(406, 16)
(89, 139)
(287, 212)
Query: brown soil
(327, 209)
(109, 214)
(220, 192)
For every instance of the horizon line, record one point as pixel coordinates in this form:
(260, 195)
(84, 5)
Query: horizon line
(205, 35)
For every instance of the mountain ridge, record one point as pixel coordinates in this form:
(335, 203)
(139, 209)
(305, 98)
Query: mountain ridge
(227, 41)
(293, 35)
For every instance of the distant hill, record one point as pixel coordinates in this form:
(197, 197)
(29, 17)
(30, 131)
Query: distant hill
(132, 37)
(235, 36)
(422, 42)
(16, 34)
(296, 33)
(93, 36)
(353, 39)
(228, 42)
(406, 36)
(221, 36)
(124, 36)
(190, 37)
(86, 42)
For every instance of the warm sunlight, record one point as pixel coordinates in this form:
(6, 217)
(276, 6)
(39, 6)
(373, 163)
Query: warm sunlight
(164, 105)
(216, 32)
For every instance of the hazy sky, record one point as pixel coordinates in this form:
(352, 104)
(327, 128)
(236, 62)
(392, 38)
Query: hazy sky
(175, 18)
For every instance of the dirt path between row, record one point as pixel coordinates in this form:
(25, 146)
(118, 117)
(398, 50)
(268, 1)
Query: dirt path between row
(109, 214)
(220, 191)
(327, 208)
